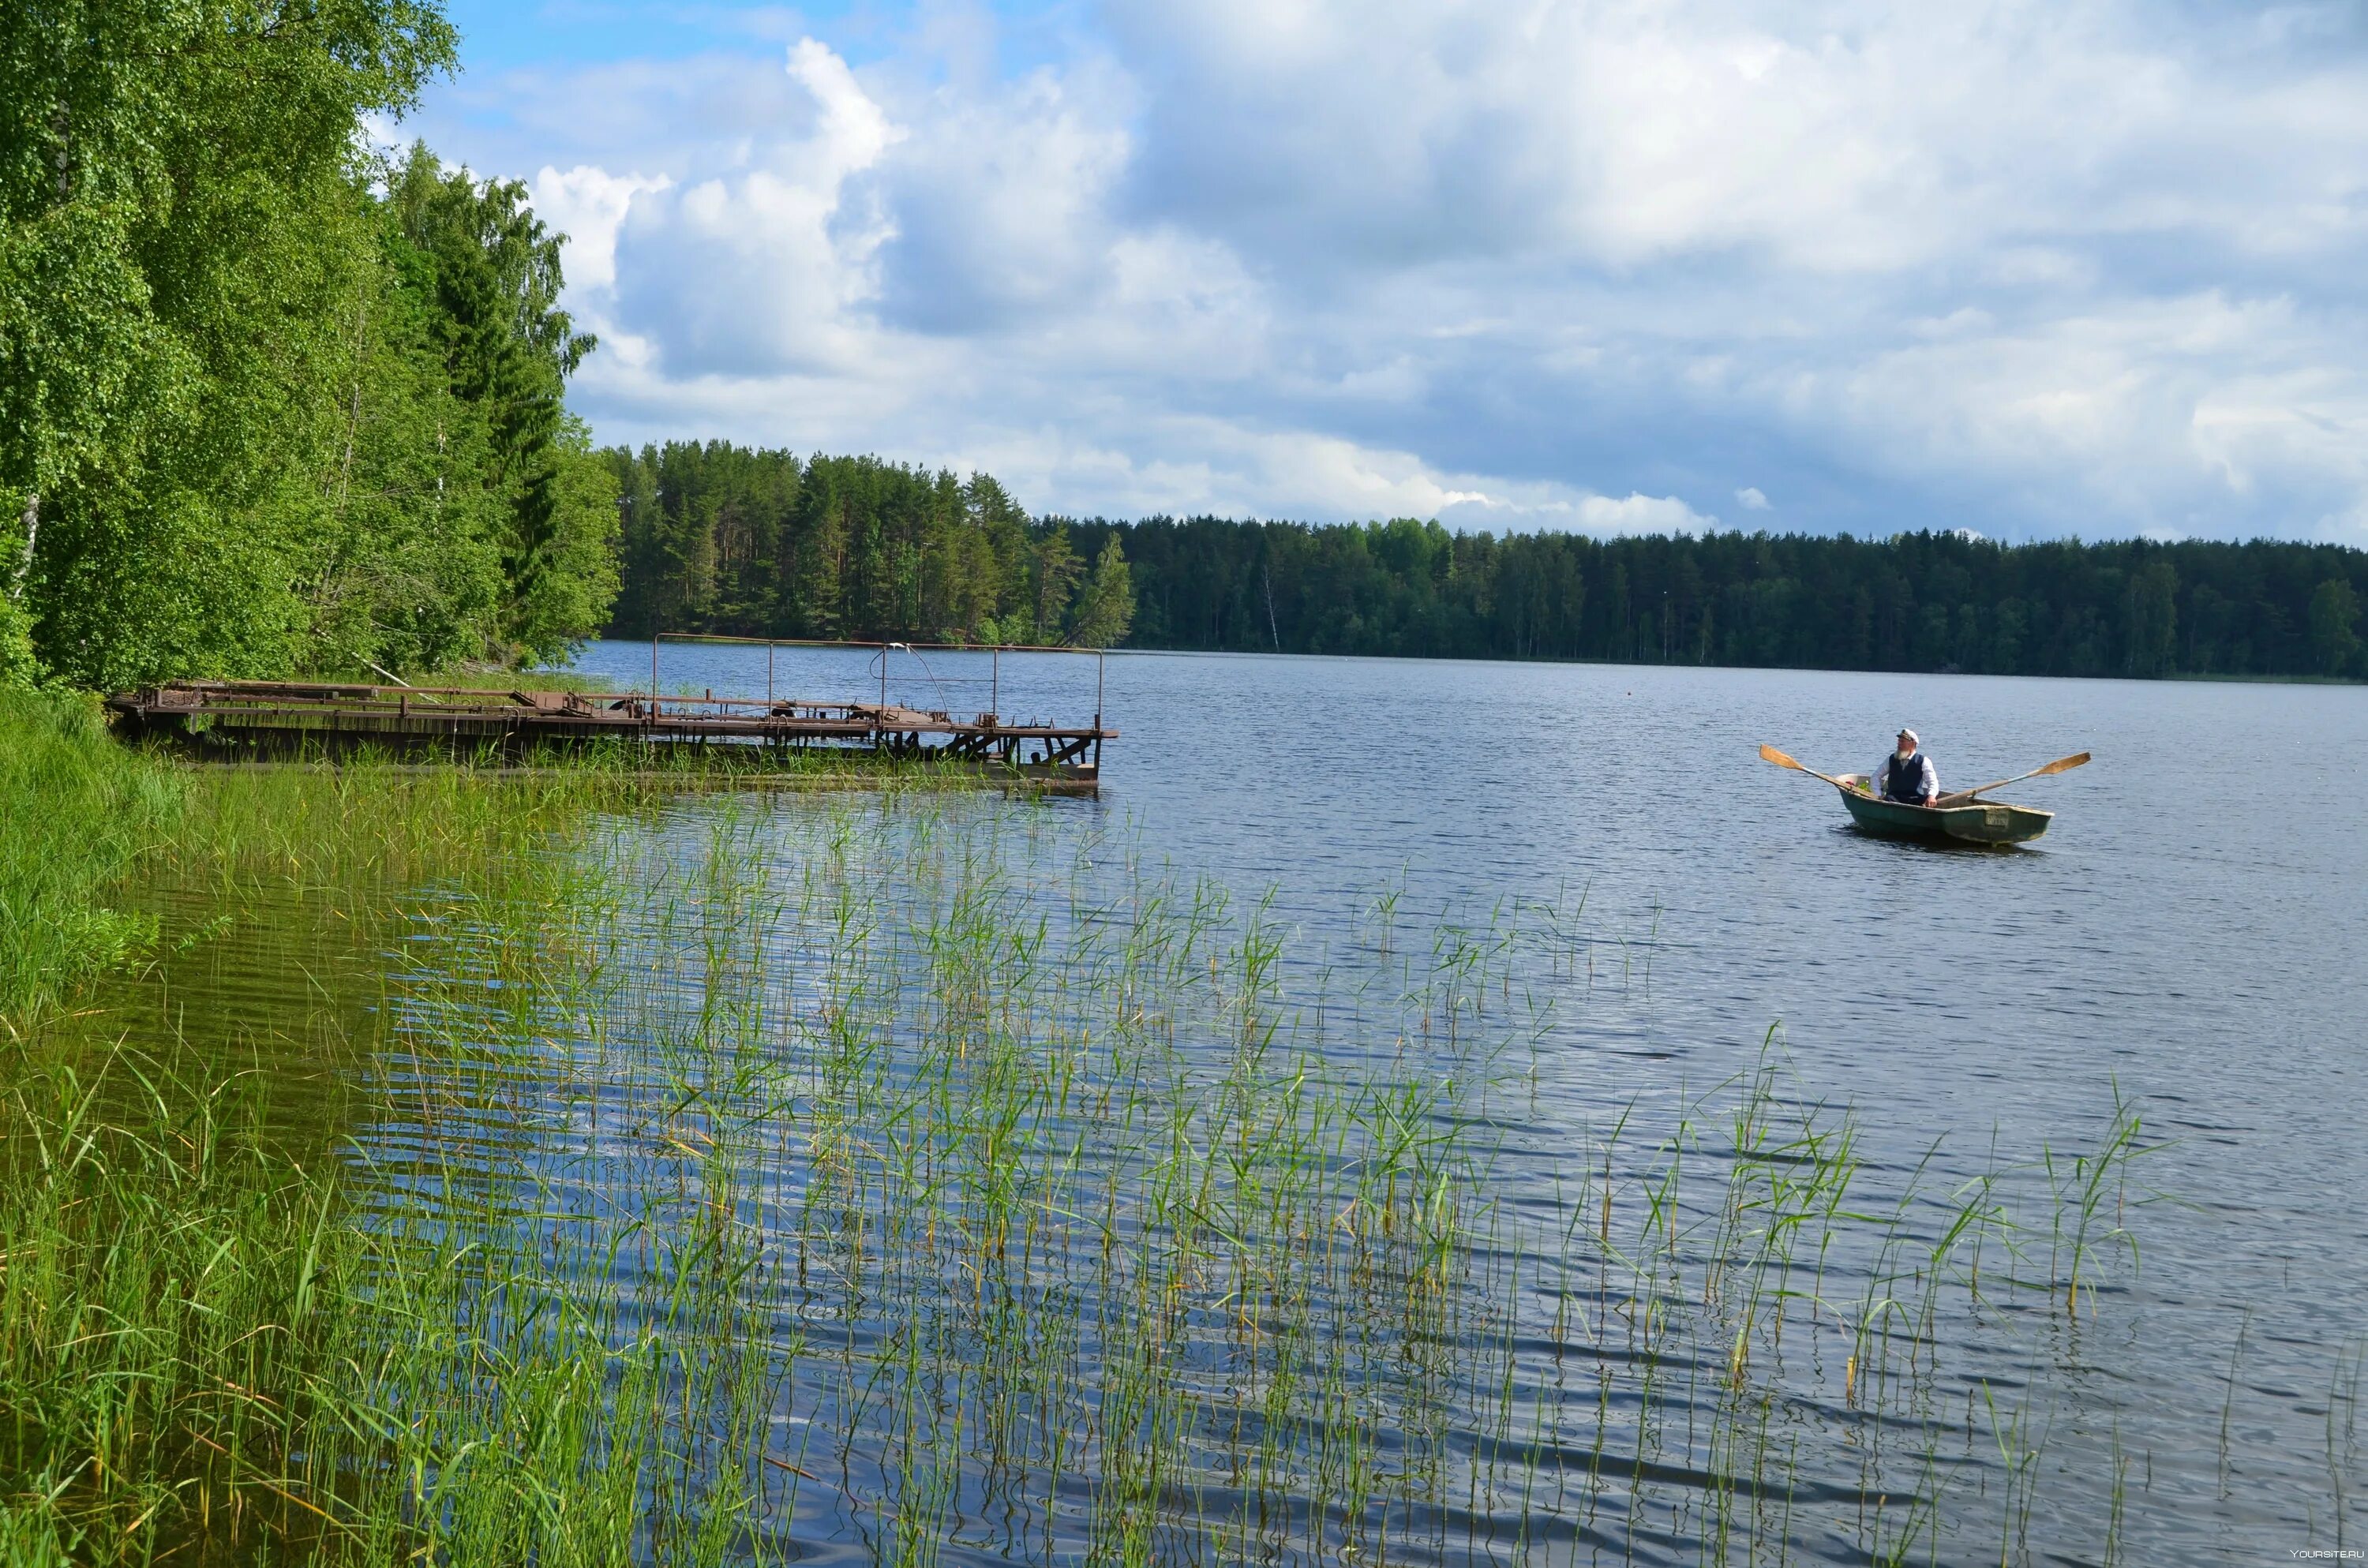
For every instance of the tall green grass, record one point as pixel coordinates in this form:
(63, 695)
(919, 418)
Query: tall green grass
(76, 810)
(712, 1182)
(185, 1297)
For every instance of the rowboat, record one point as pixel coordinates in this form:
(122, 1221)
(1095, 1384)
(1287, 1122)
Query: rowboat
(1973, 822)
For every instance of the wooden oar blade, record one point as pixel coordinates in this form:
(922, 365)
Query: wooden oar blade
(2061, 765)
(1770, 754)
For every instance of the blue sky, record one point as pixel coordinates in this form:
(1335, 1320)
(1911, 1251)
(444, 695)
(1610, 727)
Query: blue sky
(1608, 264)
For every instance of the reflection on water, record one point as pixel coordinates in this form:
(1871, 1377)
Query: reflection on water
(1014, 1201)
(2187, 931)
(964, 1206)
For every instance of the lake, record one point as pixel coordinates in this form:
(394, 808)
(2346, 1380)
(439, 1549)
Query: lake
(2084, 1279)
(2190, 930)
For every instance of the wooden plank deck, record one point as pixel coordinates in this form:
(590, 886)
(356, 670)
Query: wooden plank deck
(250, 719)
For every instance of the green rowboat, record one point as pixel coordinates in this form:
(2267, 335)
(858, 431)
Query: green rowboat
(1979, 822)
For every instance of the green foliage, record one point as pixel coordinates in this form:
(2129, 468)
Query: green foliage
(720, 538)
(2152, 629)
(162, 1305)
(566, 599)
(2334, 611)
(195, 1331)
(1921, 601)
(255, 417)
(1106, 605)
(18, 667)
(96, 805)
(493, 273)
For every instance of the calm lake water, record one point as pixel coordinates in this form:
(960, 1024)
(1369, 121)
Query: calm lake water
(2190, 933)
(2184, 942)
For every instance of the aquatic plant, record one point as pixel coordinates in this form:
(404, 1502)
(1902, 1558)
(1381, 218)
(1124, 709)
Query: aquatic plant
(710, 1177)
(74, 811)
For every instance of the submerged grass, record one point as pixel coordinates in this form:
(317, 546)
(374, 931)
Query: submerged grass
(711, 1181)
(74, 813)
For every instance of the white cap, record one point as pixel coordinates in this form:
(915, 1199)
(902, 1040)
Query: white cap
(1911, 734)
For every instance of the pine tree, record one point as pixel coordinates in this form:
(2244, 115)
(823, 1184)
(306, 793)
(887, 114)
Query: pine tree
(1106, 604)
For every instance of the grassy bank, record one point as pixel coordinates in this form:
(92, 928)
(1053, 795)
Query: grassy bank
(185, 1294)
(704, 1182)
(78, 810)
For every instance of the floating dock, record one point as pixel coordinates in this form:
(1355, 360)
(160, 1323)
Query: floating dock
(252, 720)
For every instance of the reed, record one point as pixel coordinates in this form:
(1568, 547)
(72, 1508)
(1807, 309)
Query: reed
(712, 1178)
(78, 810)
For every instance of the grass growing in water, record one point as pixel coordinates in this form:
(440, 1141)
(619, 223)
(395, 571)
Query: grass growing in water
(736, 1176)
(76, 810)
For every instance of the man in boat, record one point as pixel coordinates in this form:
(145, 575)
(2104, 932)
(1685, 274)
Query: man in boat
(1907, 776)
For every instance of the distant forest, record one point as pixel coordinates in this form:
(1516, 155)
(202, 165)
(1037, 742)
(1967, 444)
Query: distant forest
(720, 538)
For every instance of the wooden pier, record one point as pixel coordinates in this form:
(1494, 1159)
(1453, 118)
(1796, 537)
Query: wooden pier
(272, 719)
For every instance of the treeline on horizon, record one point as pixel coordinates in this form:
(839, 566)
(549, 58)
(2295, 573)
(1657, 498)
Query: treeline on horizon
(720, 538)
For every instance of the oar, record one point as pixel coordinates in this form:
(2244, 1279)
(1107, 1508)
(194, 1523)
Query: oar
(2061, 765)
(1770, 754)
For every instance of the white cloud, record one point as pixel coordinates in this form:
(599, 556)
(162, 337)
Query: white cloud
(1849, 134)
(1262, 472)
(2178, 412)
(1003, 204)
(766, 267)
(854, 130)
(1642, 515)
(2033, 267)
(588, 205)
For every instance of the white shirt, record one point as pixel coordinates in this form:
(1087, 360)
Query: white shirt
(1930, 786)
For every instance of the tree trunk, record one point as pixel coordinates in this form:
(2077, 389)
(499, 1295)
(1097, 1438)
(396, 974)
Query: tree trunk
(32, 537)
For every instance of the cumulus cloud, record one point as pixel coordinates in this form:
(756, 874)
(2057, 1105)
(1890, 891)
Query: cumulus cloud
(1851, 135)
(1641, 515)
(2091, 265)
(1003, 205)
(588, 204)
(762, 268)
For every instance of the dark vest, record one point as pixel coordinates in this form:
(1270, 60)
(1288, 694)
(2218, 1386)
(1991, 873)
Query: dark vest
(1903, 777)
